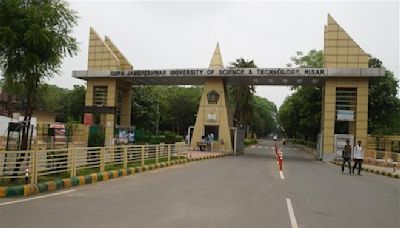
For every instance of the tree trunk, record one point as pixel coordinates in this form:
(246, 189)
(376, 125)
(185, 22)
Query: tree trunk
(30, 97)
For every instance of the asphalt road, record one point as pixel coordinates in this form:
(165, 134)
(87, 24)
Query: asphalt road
(243, 191)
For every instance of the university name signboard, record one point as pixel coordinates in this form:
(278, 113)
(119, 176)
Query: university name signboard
(223, 72)
(234, 76)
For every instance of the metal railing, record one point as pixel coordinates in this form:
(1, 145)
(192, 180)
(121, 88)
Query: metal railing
(53, 163)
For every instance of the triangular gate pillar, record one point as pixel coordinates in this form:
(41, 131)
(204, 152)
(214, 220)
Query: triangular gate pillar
(213, 113)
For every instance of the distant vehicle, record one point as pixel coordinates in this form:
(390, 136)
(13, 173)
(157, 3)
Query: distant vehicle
(275, 138)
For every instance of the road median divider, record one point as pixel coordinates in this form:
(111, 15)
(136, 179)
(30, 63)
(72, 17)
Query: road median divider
(57, 184)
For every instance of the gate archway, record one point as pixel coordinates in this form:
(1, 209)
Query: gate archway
(344, 79)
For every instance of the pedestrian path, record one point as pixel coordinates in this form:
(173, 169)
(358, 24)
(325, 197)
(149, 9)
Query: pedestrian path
(380, 168)
(386, 171)
(271, 147)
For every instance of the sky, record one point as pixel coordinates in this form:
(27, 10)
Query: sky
(154, 35)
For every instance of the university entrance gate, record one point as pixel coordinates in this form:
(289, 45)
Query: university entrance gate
(344, 80)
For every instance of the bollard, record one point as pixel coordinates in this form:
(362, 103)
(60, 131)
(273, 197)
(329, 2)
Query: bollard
(27, 176)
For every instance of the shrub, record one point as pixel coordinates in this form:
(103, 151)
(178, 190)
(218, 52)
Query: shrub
(304, 142)
(179, 138)
(170, 137)
(250, 141)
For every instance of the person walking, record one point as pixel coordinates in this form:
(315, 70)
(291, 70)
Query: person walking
(346, 155)
(358, 157)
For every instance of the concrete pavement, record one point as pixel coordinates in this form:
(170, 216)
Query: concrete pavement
(244, 191)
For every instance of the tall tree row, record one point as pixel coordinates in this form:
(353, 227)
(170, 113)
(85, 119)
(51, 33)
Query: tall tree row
(172, 108)
(249, 110)
(300, 114)
(168, 108)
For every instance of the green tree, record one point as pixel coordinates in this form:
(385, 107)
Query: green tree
(172, 107)
(73, 104)
(144, 107)
(179, 108)
(35, 36)
(288, 118)
(383, 103)
(50, 98)
(242, 96)
(313, 59)
(264, 115)
(300, 114)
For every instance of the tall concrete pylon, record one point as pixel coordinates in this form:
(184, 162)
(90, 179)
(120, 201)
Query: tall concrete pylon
(104, 55)
(341, 51)
(213, 113)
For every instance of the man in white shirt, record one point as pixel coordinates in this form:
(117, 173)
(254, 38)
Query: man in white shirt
(358, 157)
(211, 141)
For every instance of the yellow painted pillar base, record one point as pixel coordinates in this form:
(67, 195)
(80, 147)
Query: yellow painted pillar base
(329, 115)
(109, 129)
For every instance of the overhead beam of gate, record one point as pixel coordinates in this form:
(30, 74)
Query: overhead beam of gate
(244, 76)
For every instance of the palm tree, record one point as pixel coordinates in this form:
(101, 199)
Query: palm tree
(242, 96)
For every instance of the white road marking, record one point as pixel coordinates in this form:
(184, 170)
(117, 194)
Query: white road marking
(281, 175)
(293, 220)
(259, 147)
(37, 197)
(253, 146)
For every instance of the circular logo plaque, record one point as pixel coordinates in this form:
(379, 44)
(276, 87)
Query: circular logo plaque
(212, 97)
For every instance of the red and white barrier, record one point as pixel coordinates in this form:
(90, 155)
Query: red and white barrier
(279, 157)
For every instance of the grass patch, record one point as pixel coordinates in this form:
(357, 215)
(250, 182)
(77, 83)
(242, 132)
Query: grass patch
(53, 177)
(249, 142)
(11, 182)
